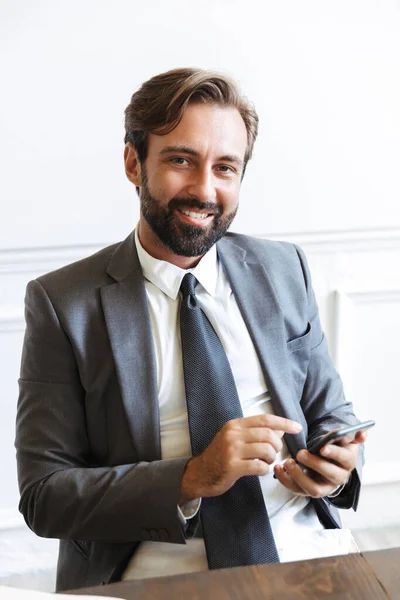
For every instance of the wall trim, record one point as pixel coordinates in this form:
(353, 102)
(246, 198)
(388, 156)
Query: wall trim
(374, 296)
(345, 302)
(374, 473)
(356, 240)
(45, 258)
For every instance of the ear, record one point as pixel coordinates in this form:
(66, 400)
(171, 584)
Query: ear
(132, 165)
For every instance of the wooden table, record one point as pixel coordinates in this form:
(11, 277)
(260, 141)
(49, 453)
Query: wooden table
(365, 576)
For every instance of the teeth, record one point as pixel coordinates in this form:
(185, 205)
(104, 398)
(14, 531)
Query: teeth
(194, 215)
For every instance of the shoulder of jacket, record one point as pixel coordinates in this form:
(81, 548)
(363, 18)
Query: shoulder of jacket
(86, 272)
(261, 246)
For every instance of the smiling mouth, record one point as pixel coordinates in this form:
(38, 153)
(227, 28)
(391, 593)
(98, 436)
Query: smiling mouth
(195, 214)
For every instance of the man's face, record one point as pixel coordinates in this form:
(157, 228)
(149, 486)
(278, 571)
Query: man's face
(189, 186)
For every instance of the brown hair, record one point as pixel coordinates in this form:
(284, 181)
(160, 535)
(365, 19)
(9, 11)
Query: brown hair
(160, 102)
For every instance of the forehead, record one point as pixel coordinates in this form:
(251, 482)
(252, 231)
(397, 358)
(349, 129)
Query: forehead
(208, 129)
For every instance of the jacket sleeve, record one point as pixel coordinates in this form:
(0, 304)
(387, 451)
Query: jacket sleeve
(323, 401)
(64, 493)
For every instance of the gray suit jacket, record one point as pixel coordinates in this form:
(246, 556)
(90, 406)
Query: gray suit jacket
(88, 432)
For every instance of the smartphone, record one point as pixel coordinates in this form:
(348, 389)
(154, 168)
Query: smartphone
(340, 436)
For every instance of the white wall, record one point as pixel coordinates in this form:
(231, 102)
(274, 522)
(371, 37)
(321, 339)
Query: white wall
(324, 77)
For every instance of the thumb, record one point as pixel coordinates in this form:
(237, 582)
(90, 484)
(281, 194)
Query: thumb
(360, 438)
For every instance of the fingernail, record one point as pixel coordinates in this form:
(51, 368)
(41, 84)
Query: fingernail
(326, 451)
(297, 427)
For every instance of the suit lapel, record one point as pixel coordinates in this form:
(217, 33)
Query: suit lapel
(128, 323)
(259, 305)
(129, 329)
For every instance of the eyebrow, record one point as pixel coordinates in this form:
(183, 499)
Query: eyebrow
(181, 148)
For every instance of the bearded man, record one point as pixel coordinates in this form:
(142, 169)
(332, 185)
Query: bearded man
(170, 383)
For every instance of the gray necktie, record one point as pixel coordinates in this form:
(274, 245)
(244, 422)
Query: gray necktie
(236, 526)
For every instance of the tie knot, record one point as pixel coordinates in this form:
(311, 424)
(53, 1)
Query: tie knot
(188, 285)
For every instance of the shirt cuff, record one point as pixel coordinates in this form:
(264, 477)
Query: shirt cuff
(188, 510)
(336, 491)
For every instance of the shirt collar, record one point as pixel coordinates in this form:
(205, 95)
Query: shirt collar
(168, 277)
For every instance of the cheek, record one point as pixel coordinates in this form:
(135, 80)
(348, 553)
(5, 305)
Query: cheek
(167, 185)
(230, 198)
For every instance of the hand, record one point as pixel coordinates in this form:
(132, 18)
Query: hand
(245, 446)
(324, 476)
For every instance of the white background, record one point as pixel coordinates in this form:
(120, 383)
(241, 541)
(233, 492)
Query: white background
(324, 77)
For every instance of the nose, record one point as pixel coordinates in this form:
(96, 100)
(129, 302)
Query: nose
(202, 186)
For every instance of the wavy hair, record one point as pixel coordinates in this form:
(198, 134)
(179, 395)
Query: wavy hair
(158, 106)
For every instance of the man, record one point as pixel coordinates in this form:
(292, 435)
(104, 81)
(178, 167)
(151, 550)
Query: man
(167, 380)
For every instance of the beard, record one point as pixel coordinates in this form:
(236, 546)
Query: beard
(183, 239)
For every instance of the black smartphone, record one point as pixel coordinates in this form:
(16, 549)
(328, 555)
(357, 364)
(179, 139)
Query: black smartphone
(340, 436)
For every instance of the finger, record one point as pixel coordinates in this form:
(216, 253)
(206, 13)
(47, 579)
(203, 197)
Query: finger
(256, 466)
(264, 452)
(344, 456)
(263, 435)
(304, 480)
(284, 478)
(336, 474)
(361, 437)
(273, 422)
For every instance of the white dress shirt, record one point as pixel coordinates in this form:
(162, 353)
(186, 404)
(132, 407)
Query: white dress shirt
(297, 531)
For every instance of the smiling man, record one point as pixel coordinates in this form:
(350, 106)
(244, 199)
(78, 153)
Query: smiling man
(194, 174)
(168, 382)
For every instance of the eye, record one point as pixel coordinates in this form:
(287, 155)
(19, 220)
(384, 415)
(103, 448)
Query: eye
(179, 160)
(225, 169)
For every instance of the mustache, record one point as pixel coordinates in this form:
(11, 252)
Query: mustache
(187, 203)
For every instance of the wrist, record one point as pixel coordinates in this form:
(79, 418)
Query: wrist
(189, 483)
